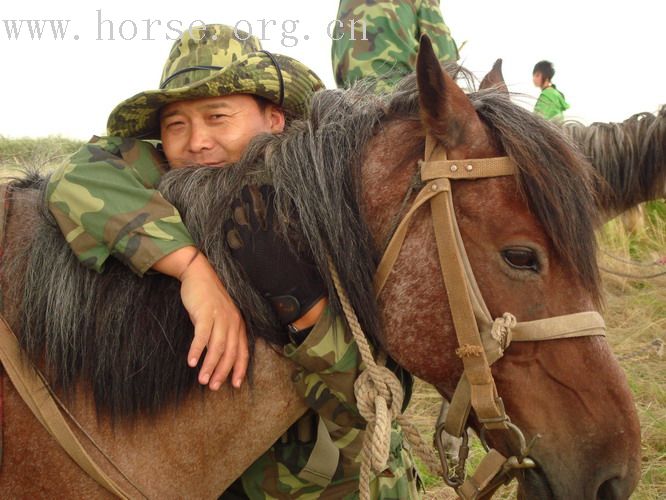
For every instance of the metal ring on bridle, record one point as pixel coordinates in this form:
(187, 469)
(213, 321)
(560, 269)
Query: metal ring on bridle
(525, 448)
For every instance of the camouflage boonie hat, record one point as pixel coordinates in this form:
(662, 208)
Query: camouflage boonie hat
(211, 61)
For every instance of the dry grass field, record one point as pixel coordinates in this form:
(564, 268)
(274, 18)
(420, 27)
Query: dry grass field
(635, 314)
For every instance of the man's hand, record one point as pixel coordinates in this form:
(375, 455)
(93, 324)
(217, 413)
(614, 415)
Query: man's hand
(218, 324)
(289, 280)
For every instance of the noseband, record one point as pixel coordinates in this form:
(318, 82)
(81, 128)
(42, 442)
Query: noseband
(481, 340)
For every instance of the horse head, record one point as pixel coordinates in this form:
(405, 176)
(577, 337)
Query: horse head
(530, 242)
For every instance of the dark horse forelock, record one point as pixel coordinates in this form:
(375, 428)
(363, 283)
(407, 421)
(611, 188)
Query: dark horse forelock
(129, 336)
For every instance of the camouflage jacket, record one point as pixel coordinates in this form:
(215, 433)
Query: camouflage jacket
(329, 363)
(105, 202)
(385, 39)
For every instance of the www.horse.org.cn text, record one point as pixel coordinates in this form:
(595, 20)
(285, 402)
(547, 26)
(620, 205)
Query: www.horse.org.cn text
(289, 32)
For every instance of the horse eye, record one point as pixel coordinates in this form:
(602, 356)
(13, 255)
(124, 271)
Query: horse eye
(521, 258)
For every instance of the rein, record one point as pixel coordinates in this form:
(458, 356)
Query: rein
(482, 340)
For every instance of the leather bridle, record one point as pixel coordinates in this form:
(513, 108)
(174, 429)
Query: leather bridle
(482, 340)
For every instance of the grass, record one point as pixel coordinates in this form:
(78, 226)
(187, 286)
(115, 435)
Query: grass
(43, 153)
(635, 315)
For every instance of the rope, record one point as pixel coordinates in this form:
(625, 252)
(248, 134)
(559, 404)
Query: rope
(656, 263)
(501, 330)
(633, 262)
(633, 276)
(379, 397)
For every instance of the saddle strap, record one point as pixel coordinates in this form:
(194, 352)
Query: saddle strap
(35, 392)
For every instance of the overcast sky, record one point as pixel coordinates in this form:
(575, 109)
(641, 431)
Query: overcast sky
(609, 55)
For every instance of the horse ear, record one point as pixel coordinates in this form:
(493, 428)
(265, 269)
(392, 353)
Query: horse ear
(495, 79)
(445, 109)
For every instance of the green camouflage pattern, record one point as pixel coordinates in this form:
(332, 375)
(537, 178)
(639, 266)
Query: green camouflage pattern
(245, 70)
(392, 32)
(551, 104)
(329, 363)
(105, 202)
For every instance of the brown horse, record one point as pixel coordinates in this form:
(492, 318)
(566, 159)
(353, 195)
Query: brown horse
(115, 346)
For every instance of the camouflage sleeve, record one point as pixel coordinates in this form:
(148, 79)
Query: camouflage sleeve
(380, 39)
(329, 362)
(105, 202)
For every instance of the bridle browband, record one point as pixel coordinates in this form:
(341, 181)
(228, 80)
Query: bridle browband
(482, 340)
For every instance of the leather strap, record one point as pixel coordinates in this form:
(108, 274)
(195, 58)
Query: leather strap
(490, 467)
(582, 324)
(468, 169)
(37, 395)
(395, 244)
(485, 400)
(323, 461)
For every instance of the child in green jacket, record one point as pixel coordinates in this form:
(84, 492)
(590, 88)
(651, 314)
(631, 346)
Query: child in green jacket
(551, 103)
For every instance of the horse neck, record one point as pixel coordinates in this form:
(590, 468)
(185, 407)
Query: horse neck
(630, 158)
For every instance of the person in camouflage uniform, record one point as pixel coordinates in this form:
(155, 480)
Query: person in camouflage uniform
(385, 39)
(106, 204)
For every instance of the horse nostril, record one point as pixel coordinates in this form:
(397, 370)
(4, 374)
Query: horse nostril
(612, 489)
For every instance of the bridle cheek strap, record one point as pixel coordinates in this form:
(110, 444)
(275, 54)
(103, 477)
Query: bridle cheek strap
(481, 339)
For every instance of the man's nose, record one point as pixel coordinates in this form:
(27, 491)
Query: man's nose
(200, 139)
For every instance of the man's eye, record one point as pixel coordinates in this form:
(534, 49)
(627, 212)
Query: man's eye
(217, 117)
(174, 124)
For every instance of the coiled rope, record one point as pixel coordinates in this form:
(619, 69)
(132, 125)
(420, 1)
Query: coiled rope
(379, 398)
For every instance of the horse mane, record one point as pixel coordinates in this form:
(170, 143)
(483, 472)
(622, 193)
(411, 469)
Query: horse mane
(630, 156)
(128, 336)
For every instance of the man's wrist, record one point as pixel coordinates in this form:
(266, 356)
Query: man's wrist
(178, 262)
(311, 316)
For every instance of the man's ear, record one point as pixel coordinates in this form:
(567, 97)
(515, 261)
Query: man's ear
(277, 119)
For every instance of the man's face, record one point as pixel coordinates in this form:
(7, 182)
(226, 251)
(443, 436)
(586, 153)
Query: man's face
(214, 130)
